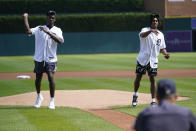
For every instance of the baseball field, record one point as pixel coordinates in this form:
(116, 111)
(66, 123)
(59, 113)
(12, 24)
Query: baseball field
(79, 76)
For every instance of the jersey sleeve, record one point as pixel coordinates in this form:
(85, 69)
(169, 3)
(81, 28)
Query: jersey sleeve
(143, 30)
(34, 30)
(59, 33)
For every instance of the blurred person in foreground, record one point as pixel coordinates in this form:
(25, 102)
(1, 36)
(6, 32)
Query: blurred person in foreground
(166, 116)
(152, 42)
(47, 37)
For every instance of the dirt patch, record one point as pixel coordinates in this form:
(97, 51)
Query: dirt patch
(120, 119)
(180, 73)
(93, 101)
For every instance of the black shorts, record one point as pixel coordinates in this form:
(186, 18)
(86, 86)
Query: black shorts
(42, 67)
(142, 70)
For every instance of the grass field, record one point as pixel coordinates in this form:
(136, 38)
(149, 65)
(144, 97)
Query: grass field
(97, 62)
(71, 119)
(22, 118)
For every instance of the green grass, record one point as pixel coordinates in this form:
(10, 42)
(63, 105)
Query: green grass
(16, 64)
(97, 62)
(23, 118)
(19, 86)
(71, 119)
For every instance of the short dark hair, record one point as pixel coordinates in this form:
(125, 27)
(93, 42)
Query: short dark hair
(152, 16)
(51, 12)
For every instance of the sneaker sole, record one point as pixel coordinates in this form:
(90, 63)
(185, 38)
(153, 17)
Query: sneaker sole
(36, 106)
(52, 108)
(134, 105)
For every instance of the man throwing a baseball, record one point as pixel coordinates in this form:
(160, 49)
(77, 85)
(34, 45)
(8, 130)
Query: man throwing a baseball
(47, 37)
(151, 44)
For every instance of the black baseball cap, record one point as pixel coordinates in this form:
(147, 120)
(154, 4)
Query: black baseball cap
(165, 88)
(51, 12)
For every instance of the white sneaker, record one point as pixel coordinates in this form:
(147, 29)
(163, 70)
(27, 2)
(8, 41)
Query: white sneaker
(51, 105)
(38, 101)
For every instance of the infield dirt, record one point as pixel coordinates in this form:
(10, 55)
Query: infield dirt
(121, 73)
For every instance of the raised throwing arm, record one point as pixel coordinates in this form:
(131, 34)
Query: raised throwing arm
(26, 23)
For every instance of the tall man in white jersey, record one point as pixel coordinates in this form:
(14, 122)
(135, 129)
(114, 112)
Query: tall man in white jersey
(151, 44)
(47, 37)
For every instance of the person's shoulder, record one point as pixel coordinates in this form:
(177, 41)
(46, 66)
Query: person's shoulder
(181, 110)
(35, 29)
(161, 109)
(57, 28)
(175, 109)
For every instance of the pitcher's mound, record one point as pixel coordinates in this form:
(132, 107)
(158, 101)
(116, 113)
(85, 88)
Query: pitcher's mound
(83, 99)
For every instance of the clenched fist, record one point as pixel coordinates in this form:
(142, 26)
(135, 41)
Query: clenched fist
(25, 15)
(167, 56)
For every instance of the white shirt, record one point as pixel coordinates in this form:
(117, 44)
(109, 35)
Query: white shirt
(150, 47)
(45, 46)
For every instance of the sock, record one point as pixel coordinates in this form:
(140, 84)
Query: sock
(38, 94)
(153, 100)
(135, 94)
(52, 99)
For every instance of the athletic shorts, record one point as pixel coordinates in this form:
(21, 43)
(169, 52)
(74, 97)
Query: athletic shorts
(142, 70)
(42, 67)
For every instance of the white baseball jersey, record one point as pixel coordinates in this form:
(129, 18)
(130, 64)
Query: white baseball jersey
(45, 46)
(150, 47)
